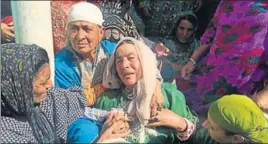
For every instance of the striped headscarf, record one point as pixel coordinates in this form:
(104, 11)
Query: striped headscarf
(20, 63)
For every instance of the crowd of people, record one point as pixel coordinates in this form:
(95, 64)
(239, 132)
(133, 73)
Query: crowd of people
(135, 72)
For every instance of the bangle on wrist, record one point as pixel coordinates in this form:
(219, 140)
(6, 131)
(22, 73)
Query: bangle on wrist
(179, 130)
(185, 127)
(192, 61)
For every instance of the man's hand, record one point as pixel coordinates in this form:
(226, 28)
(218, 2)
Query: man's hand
(7, 32)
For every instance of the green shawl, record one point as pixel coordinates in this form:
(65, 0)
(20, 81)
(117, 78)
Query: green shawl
(174, 100)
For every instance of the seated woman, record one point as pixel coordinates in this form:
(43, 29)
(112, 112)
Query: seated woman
(31, 110)
(236, 119)
(181, 45)
(130, 76)
(24, 76)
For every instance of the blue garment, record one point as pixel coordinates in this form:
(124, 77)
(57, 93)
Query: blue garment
(67, 74)
(83, 125)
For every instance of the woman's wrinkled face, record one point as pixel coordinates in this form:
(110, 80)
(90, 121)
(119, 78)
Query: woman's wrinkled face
(184, 31)
(128, 64)
(84, 36)
(217, 133)
(41, 82)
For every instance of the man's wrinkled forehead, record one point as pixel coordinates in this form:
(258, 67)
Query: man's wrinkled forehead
(82, 24)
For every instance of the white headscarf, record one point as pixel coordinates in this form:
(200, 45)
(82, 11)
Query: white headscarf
(84, 11)
(145, 88)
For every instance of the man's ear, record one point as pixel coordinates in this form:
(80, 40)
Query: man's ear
(236, 139)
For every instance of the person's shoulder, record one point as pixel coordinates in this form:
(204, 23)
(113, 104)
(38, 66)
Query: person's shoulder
(171, 89)
(107, 100)
(63, 54)
(110, 93)
(63, 59)
(168, 86)
(57, 92)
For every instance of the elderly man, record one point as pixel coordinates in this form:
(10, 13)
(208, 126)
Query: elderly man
(75, 64)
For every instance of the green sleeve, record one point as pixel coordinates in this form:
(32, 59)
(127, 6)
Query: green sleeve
(107, 100)
(175, 101)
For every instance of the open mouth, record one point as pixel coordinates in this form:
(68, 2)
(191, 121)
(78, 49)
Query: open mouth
(128, 74)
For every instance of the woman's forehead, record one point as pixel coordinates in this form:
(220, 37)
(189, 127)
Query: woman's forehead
(125, 49)
(212, 124)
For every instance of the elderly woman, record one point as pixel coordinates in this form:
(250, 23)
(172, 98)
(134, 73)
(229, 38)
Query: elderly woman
(25, 76)
(236, 119)
(75, 65)
(130, 76)
(31, 110)
(131, 71)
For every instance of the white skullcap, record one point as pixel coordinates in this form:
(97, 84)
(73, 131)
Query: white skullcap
(85, 11)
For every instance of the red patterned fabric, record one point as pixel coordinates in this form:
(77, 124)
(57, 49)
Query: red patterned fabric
(59, 10)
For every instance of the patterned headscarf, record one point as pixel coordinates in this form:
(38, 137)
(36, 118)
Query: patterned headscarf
(117, 21)
(145, 87)
(20, 63)
(182, 15)
(240, 115)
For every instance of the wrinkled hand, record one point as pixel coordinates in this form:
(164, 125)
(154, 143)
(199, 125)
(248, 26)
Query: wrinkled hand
(157, 101)
(167, 118)
(187, 70)
(198, 5)
(7, 32)
(116, 126)
(146, 10)
(161, 50)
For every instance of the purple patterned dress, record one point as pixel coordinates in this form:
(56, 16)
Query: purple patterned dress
(237, 61)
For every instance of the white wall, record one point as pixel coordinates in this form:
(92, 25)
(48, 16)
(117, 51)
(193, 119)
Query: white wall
(32, 22)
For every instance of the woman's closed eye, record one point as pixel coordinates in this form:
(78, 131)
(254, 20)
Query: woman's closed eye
(45, 81)
(118, 60)
(131, 58)
(87, 29)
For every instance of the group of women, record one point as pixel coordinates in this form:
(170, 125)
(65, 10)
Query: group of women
(33, 111)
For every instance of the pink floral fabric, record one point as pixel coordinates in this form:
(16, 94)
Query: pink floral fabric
(237, 59)
(183, 136)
